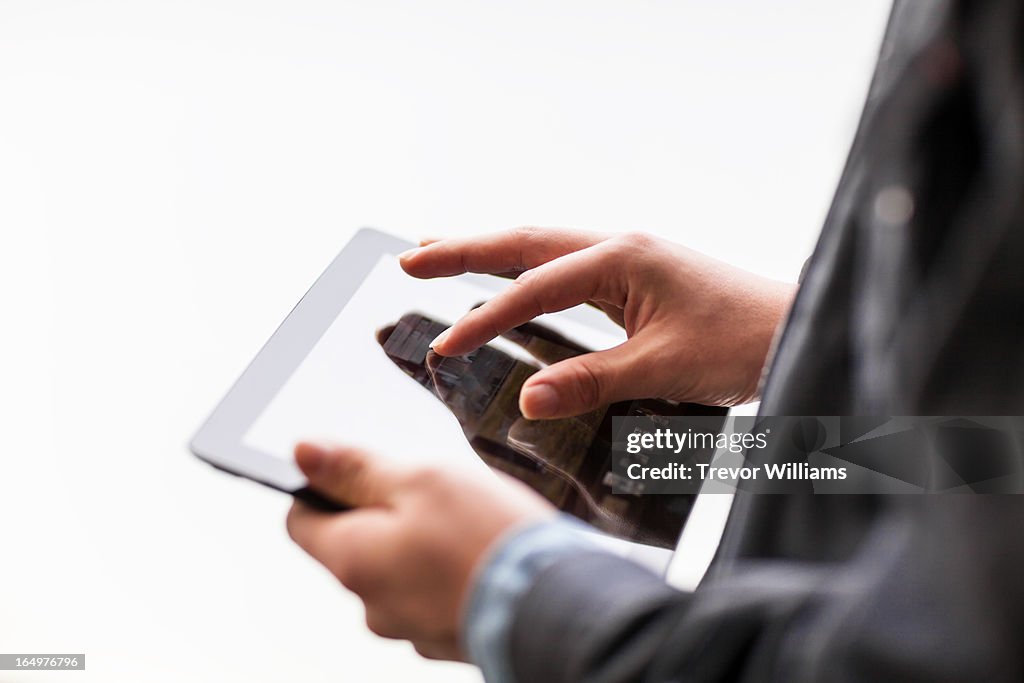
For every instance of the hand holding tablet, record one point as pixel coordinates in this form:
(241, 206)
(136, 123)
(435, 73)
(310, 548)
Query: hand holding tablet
(323, 375)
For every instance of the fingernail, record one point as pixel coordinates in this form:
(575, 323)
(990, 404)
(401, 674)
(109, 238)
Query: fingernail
(439, 339)
(538, 400)
(310, 457)
(407, 253)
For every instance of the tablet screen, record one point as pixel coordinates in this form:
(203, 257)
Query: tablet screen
(348, 390)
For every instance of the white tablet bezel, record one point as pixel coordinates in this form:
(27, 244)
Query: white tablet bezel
(220, 440)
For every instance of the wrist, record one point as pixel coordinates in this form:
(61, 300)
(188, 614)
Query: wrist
(773, 310)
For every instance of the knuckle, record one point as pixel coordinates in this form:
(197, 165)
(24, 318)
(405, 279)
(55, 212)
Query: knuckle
(352, 474)
(339, 467)
(589, 384)
(611, 256)
(379, 624)
(527, 233)
(358, 577)
(430, 477)
(638, 254)
(641, 241)
(524, 279)
(358, 479)
(633, 247)
(427, 651)
(527, 287)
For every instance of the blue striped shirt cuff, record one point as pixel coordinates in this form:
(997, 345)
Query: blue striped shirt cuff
(507, 574)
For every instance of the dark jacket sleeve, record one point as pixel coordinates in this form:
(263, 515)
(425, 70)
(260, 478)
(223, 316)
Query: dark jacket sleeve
(932, 595)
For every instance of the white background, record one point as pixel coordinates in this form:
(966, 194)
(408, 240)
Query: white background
(174, 174)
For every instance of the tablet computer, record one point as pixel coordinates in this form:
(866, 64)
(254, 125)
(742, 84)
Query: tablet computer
(351, 364)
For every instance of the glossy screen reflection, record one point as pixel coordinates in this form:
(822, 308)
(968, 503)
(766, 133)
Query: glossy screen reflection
(568, 461)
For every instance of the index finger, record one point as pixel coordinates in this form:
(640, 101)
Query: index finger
(544, 343)
(502, 253)
(565, 282)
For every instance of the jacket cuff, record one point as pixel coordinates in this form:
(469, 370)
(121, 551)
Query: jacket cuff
(583, 611)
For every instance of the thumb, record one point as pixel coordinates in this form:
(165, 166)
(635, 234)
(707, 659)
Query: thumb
(347, 475)
(582, 383)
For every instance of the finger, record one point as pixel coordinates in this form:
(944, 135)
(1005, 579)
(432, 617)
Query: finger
(347, 475)
(383, 623)
(583, 383)
(511, 251)
(555, 286)
(350, 544)
(391, 621)
(446, 649)
(311, 529)
(542, 342)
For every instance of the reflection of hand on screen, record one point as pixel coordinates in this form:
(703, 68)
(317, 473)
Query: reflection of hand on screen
(566, 460)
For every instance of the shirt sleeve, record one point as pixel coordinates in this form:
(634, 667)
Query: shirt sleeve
(505, 577)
